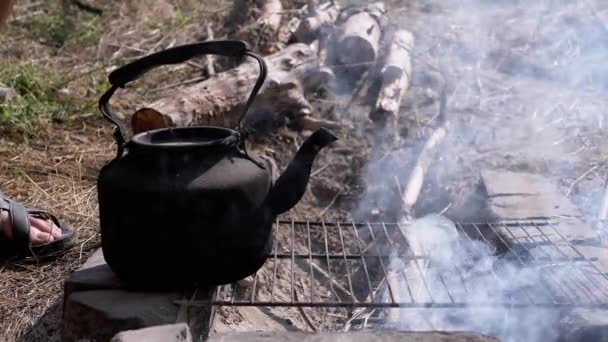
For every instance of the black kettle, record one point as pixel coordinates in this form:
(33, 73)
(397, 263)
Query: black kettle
(190, 206)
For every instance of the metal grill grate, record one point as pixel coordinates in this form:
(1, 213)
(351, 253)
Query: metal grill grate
(323, 264)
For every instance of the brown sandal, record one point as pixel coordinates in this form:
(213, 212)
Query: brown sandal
(19, 247)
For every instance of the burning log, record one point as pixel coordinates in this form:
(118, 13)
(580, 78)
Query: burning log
(358, 40)
(321, 16)
(219, 100)
(396, 74)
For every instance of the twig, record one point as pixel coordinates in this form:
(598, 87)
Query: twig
(316, 172)
(367, 317)
(358, 89)
(305, 315)
(36, 184)
(579, 179)
(333, 200)
(445, 209)
(361, 312)
(332, 280)
(82, 246)
(158, 43)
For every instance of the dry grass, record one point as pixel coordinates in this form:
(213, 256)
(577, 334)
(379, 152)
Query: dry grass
(53, 165)
(57, 174)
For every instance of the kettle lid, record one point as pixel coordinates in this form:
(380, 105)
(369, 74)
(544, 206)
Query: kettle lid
(186, 137)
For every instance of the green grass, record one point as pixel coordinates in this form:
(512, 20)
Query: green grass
(64, 24)
(38, 100)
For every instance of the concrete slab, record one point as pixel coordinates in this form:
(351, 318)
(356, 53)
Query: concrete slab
(97, 307)
(162, 333)
(243, 319)
(94, 274)
(521, 194)
(367, 336)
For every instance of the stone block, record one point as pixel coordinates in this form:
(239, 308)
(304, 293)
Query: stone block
(162, 333)
(96, 306)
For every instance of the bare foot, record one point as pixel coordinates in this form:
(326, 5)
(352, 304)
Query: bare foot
(41, 231)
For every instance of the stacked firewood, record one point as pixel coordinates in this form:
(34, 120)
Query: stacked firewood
(328, 46)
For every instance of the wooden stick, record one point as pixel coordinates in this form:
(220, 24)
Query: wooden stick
(425, 158)
(576, 181)
(331, 204)
(210, 67)
(335, 284)
(304, 314)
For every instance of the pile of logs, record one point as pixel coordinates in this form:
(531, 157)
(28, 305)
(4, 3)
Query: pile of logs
(327, 47)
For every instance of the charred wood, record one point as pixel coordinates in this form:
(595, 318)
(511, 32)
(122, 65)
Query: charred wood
(395, 75)
(321, 16)
(357, 42)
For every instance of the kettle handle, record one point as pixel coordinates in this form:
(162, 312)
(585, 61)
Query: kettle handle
(127, 73)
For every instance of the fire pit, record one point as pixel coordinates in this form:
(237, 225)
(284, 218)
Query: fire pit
(367, 269)
(539, 247)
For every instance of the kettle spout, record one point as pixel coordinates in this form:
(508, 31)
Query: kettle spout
(291, 185)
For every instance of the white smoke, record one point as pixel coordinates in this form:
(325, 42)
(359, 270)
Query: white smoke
(528, 82)
(466, 271)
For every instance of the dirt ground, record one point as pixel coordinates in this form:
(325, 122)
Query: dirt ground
(526, 93)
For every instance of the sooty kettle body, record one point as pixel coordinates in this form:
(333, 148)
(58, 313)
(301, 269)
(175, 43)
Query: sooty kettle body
(183, 206)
